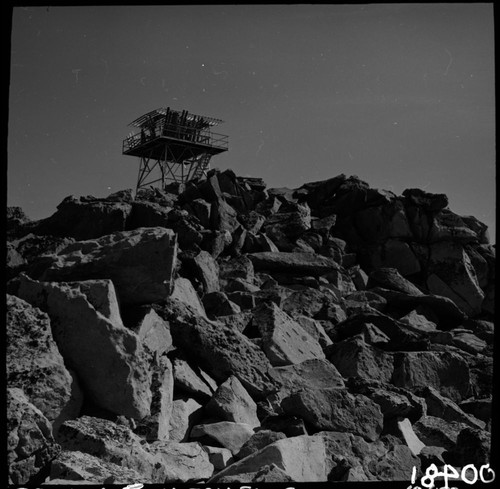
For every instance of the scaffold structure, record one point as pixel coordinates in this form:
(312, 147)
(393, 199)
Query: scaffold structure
(173, 146)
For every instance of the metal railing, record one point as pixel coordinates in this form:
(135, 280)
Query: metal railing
(180, 133)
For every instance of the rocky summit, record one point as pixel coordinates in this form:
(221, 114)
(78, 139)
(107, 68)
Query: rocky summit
(222, 331)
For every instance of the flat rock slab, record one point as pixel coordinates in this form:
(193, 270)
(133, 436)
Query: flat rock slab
(230, 435)
(284, 341)
(293, 263)
(311, 374)
(139, 262)
(409, 436)
(288, 455)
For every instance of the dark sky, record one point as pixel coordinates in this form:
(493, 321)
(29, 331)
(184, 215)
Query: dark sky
(401, 95)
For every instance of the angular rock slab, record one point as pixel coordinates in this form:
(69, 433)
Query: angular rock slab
(292, 263)
(109, 359)
(336, 410)
(112, 443)
(35, 365)
(446, 371)
(231, 402)
(30, 444)
(184, 292)
(355, 358)
(140, 263)
(288, 455)
(452, 275)
(409, 436)
(220, 350)
(284, 340)
(230, 435)
(186, 412)
(310, 374)
(74, 466)
(437, 432)
(184, 462)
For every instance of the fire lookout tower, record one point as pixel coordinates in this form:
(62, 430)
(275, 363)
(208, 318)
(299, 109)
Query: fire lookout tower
(173, 146)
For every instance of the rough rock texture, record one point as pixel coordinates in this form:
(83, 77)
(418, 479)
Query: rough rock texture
(139, 262)
(71, 466)
(92, 339)
(112, 443)
(218, 326)
(284, 341)
(35, 365)
(30, 444)
(336, 410)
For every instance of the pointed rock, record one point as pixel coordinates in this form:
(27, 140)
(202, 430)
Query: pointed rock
(231, 402)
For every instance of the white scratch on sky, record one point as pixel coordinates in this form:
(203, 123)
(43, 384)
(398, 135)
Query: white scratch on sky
(75, 72)
(350, 155)
(449, 64)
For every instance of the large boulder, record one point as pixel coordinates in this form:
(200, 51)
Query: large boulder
(72, 466)
(221, 350)
(287, 224)
(288, 455)
(284, 341)
(35, 365)
(30, 443)
(139, 262)
(353, 357)
(113, 443)
(86, 218)
(451, 274)
(183, 462)
(446, 371)
(92, 339)
(336, 410)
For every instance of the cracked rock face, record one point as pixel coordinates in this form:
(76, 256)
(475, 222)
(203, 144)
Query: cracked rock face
(226, 332)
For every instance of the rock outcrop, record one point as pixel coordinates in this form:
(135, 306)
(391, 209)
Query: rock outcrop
(224, 332)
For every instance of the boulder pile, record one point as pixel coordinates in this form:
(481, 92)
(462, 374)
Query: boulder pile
(220, 331)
